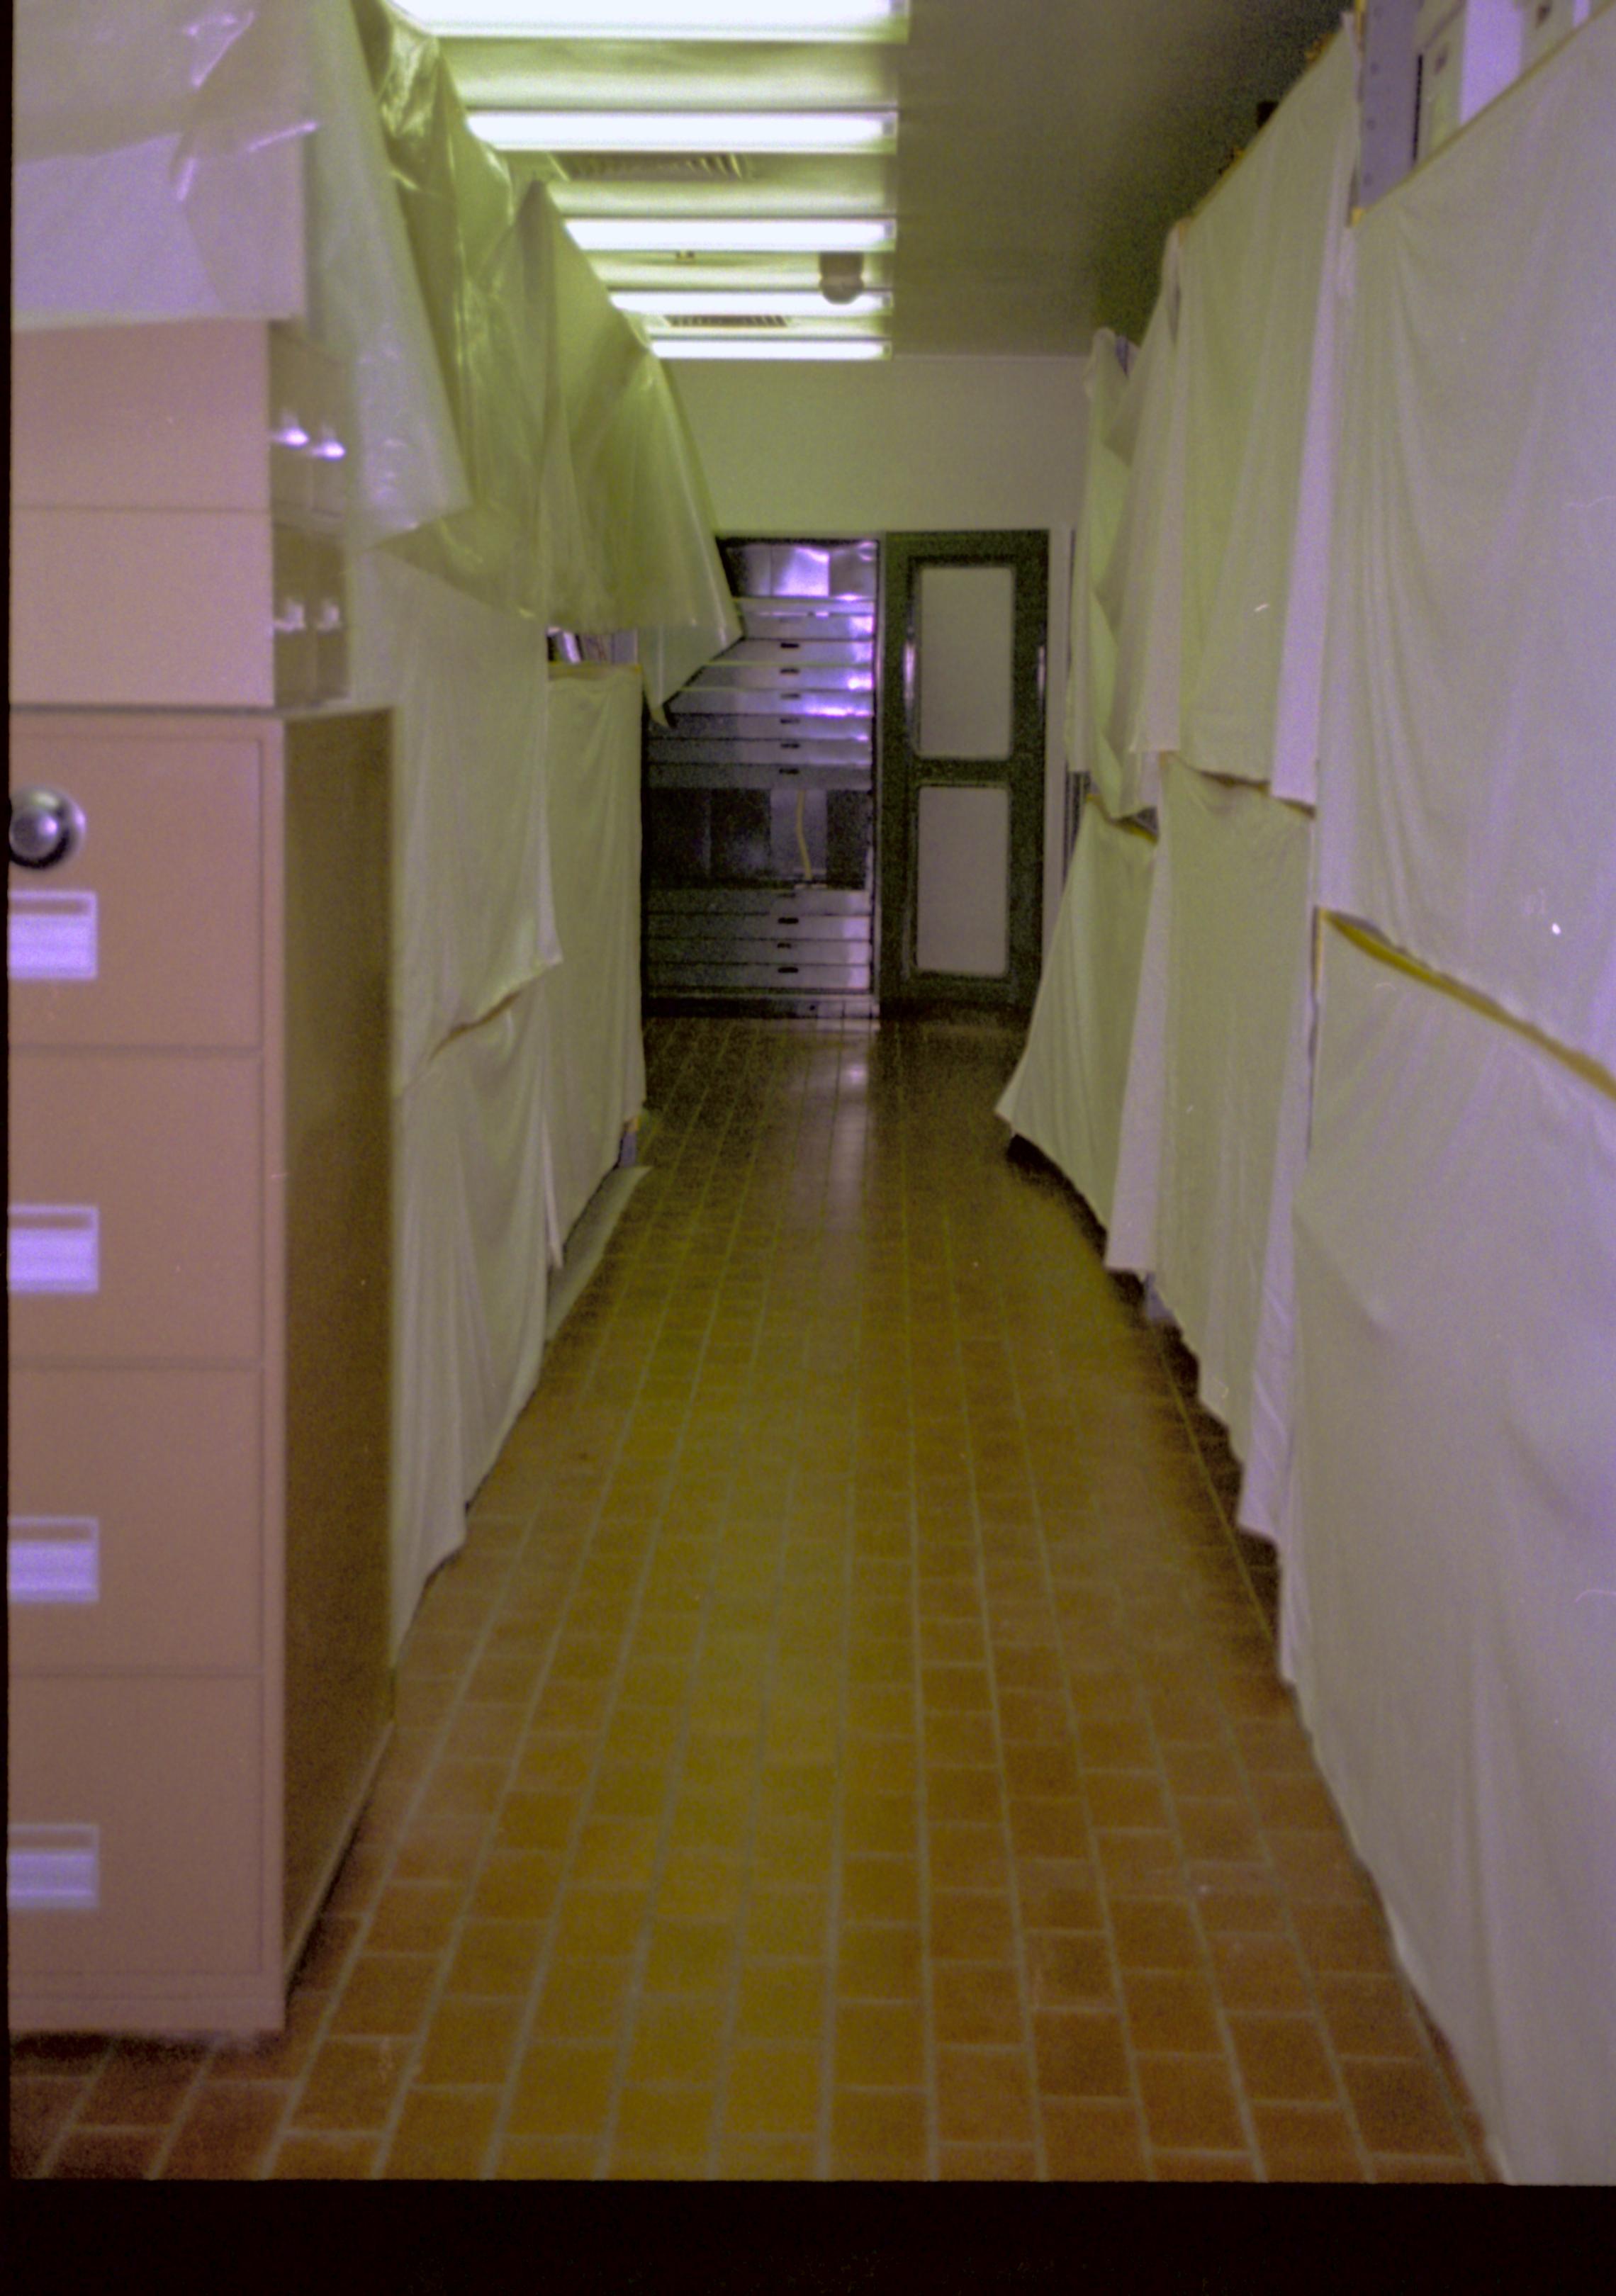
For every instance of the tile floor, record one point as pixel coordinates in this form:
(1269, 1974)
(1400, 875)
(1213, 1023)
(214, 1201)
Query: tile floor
(849, 1743)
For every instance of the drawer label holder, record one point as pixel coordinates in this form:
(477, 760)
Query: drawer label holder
(52, 936)
(52, 1869)
(52, 1248)
(53, 1558)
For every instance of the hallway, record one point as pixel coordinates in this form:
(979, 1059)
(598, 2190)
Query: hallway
(848, 1744)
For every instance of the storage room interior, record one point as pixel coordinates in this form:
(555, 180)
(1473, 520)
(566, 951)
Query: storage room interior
(812, 1222)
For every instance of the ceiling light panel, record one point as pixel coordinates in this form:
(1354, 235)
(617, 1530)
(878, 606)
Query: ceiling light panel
(748, 302)
(733, 234)
(687, 131)
(665, 19)
(773, 347)
(685, 274)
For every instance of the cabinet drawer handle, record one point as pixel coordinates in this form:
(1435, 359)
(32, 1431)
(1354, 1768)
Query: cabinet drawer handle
(45, 827)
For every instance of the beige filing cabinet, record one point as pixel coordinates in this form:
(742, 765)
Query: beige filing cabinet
(198, 1262)
(176, 519)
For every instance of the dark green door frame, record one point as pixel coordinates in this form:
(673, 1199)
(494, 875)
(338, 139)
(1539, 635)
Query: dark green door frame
(903, 772)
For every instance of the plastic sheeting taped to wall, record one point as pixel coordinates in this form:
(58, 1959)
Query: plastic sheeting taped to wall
(1215, 1137)
(1092, 680)
(1066, 1095)
(598, 1065)
(1257, 342)
(1138, 586)
(1449, 1598)
(1467, 801)
(472, 916)
(470, 1275)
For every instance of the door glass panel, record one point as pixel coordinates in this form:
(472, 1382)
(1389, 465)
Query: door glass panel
(964, 633)
(962, 898)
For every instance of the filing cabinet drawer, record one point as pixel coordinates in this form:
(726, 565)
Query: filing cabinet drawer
(135, 1225)
(133, 1840)
(135, 1534)
(96, 954)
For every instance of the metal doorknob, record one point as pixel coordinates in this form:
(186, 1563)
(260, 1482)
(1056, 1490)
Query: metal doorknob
(46, 828)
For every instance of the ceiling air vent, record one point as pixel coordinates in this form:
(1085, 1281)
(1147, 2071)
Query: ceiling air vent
(752, 321)
(654, 167)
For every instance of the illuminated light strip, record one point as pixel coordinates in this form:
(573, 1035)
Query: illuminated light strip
(772, 347)
(731, 234)
(750, 303)
(664, 19)
(686, 131)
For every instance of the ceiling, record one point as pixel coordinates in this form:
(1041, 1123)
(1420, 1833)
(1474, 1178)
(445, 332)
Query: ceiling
(1043, 149)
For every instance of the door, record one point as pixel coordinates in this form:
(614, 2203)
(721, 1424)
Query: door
(962, 768)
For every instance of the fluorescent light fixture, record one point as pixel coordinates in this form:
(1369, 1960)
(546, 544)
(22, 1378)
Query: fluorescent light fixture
(686, 131)
(665, 234)
(773, 347)
(664, 19)
(749, 303)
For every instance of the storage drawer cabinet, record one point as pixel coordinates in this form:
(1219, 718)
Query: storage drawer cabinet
(178, 512)
(198, 1276)
(760, 795)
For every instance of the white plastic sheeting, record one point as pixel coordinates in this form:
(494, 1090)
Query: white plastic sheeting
(471, 1273)
(1257, 344)
(1467, 799)
(1092, 678)
(597, 1060)
(1066, 1095)
(157, 169)
(588, 506)
(1451, 1590)
(1215, 1123)
(1139, 587)
(471, 895)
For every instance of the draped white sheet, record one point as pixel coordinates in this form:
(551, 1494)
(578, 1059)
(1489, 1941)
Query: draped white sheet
(1256, 341)
(1215, 1119)
(596, 1082)
(471, 1190)
(1449, 1604)
(469, 685)
(1092, 676)
(1139, 585)
(1066, 1095)
(1467, 797)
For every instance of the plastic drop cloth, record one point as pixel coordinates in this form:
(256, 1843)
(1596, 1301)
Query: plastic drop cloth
(1138, 586)
(597, 1067)
(469, 686)
(1467, 797)
(1092, 678)
(1258, 343)
(587, 504)
(470, 1275)
(1449, 1595)
(1066, 1095)
(1215, 1115)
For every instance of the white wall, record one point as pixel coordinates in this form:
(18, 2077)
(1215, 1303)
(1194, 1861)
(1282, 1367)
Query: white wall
(904, 446)
(900, 446)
